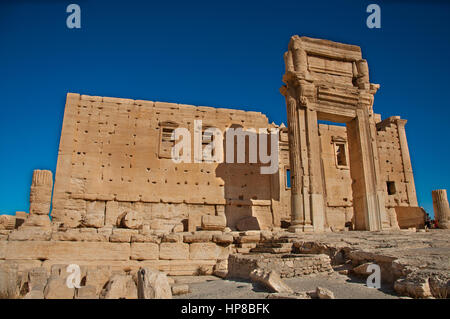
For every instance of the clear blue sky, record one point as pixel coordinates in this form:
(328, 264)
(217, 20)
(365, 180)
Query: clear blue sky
(215, 53)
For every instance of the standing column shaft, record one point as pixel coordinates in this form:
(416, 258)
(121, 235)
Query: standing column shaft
(441, 208)
(297, 217)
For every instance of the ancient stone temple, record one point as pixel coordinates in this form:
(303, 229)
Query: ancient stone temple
(372, 172)
(121, 199)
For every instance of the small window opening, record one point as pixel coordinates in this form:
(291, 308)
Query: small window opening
(288, 178)
(341, 157)
(391, 188)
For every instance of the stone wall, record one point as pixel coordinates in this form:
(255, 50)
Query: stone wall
(114, 155)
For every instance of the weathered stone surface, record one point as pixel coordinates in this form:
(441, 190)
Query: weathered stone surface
(32, 234)
(172, 238)
(180, 290)
(197, 238)
(153, 284)
(37, 277)
(31, 250)
(324, 293)
(362, 269)
(37, 221)
(98, 277)
(7, 222)
(86, 292)
(255, 238)
(174, 251)
(210, 222)
(9, 281)
(121, 236)
(57, 288)
(207, 251)
(35, 294)
(441, 208)
(144, 238)
(271, 280)
(120, 287)
(130, 219)
(419, 288)
(79, 235)
(144, 251)
(224, 239)
(41, 192)
(248, 223)
(295, 295)
(95, 214)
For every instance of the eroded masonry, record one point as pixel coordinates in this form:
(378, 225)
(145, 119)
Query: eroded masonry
(120, 201)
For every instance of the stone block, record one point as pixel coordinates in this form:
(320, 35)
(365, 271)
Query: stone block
(180, 290)
(271, 280)
(144, 251)
(205, 251)
(57, 288)
(86, 292)
(120, 287)
(153, 284)
(32, 234)
(210, 222)
(95, 214)
(174, 251)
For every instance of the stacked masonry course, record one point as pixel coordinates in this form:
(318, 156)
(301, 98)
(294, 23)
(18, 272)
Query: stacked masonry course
(120, 201)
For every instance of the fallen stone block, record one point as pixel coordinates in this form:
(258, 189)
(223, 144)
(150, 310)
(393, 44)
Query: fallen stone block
(180, 290)
(86, 292)
(57, 288)
(295, 295)
(98, 277)
(153, 284)
(9, 281)
(271, 280)
(324, 293)
(120, 287)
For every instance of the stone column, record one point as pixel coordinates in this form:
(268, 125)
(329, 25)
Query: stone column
(407, 167)
(441, 208)
(297, 210)
(40, 199)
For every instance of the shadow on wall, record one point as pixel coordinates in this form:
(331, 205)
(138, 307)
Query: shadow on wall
(247, 192)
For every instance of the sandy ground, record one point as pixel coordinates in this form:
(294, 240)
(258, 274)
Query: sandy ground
(343, 287)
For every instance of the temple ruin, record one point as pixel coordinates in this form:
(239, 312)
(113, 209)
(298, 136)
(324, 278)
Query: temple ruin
(120, 201)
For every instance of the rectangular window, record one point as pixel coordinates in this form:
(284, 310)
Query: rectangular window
(207, 150)
(391, 188)
(288, 178)
(341, 156)
(167, 142)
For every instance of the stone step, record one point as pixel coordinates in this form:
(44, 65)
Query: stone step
(270, 250)
(273, 248)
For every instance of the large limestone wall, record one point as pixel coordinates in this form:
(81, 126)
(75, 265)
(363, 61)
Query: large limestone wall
(110, 160)
(395, 165)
